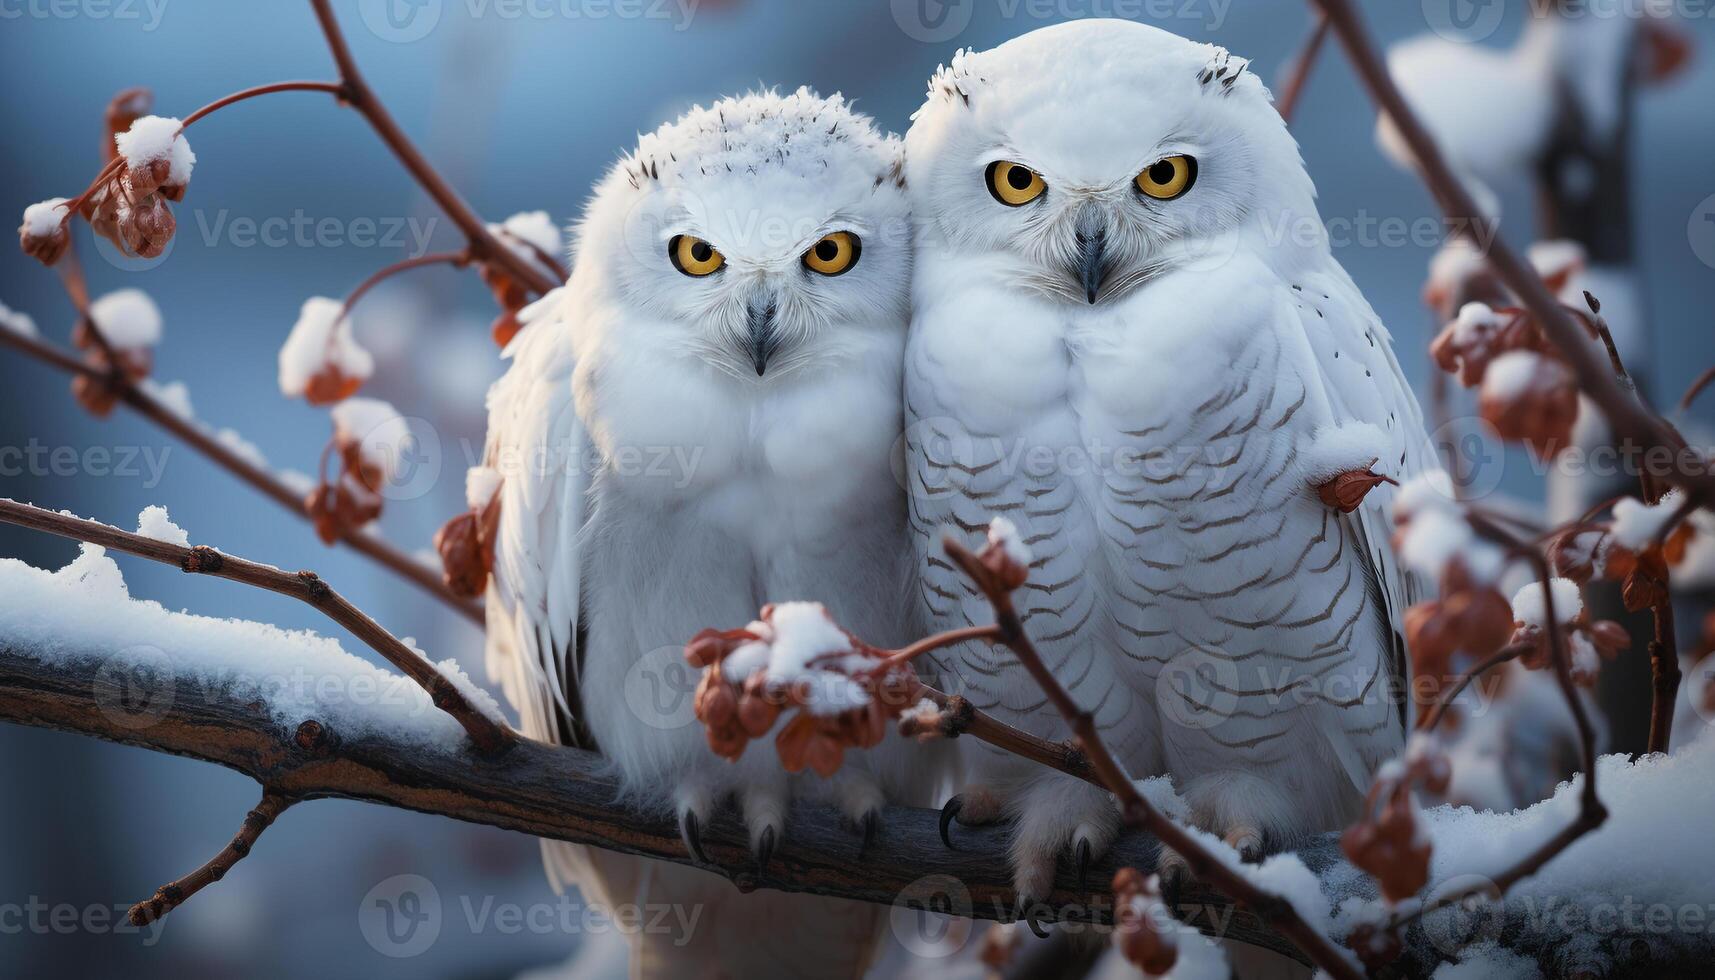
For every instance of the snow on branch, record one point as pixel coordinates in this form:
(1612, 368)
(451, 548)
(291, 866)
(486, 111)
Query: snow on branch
(96, 590)
(308, 720)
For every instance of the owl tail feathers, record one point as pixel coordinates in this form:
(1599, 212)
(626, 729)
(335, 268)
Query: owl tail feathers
(685, 922)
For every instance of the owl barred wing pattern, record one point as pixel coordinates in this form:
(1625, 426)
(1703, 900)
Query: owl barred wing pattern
(1363, 380)
(536, 442)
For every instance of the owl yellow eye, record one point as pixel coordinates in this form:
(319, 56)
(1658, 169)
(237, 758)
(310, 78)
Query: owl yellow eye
(693, 256)
(834, 254)
(1013, 184)
(1169, 177)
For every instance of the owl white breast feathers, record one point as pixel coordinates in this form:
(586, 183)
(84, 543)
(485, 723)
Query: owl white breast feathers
(1129, 337)
(698, 423)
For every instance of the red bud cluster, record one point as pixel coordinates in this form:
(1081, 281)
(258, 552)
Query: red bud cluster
(1585, 553)
(341, 507)
(1389, 843)
(1470, 617)
(466, 547)
(1604, 637)
(98, 394)
(1467, 346)
(737, 710)
(1536, 402)
(1539, 410)
(512, 297)
(43, 235)
(1137, 929)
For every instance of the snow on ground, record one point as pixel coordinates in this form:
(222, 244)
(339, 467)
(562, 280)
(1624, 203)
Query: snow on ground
(84, 612)
(1642, 876)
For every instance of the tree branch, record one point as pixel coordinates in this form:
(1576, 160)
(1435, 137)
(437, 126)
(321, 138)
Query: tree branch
(568, 794)
(1134, 808)
(370, 546)
(1595, 378)
(489, 736)
(1292, 86)
(170, 896)
(361, 97)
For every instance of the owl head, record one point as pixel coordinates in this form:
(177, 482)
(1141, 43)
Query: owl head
(1085, 159)
(763, 233)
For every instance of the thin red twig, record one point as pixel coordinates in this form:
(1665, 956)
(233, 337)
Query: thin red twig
(1592, 813)
(1292, 88)
(361, 97)
(1595, 379)
(1664, 677)
(1134, 808)
(1691, 393)
(381, 275)
(1504, 655)
(334, 89)
(170, 896)
(370, 546)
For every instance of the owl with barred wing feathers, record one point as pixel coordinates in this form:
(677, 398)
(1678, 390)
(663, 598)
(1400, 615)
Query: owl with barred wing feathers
(701, 421)
(1124, 340)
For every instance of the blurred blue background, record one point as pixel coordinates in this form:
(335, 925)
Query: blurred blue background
(522, 106)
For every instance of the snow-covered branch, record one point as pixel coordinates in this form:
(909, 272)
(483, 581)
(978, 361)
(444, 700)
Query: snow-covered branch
(158, 539)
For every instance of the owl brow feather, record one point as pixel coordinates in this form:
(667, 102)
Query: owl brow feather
(1224, 68)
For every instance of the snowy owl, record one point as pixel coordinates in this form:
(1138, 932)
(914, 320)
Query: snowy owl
(699, 422)
(1129, 337)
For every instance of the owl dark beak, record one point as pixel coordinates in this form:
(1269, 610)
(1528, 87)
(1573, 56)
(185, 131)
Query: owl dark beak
(760, 342)
(1092, 251)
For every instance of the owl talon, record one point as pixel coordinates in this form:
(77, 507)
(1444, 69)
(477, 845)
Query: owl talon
(690, 831)
(1083, 865)
(764, 848)
(871, 822)
(1030, 920)
(1173, 873)
(948, 812)
(1247, 842)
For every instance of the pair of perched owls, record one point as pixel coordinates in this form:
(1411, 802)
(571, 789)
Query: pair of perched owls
(1066, 299)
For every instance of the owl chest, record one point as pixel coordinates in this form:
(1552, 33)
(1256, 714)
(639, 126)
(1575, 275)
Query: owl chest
(766, 465)
(1188, 509)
